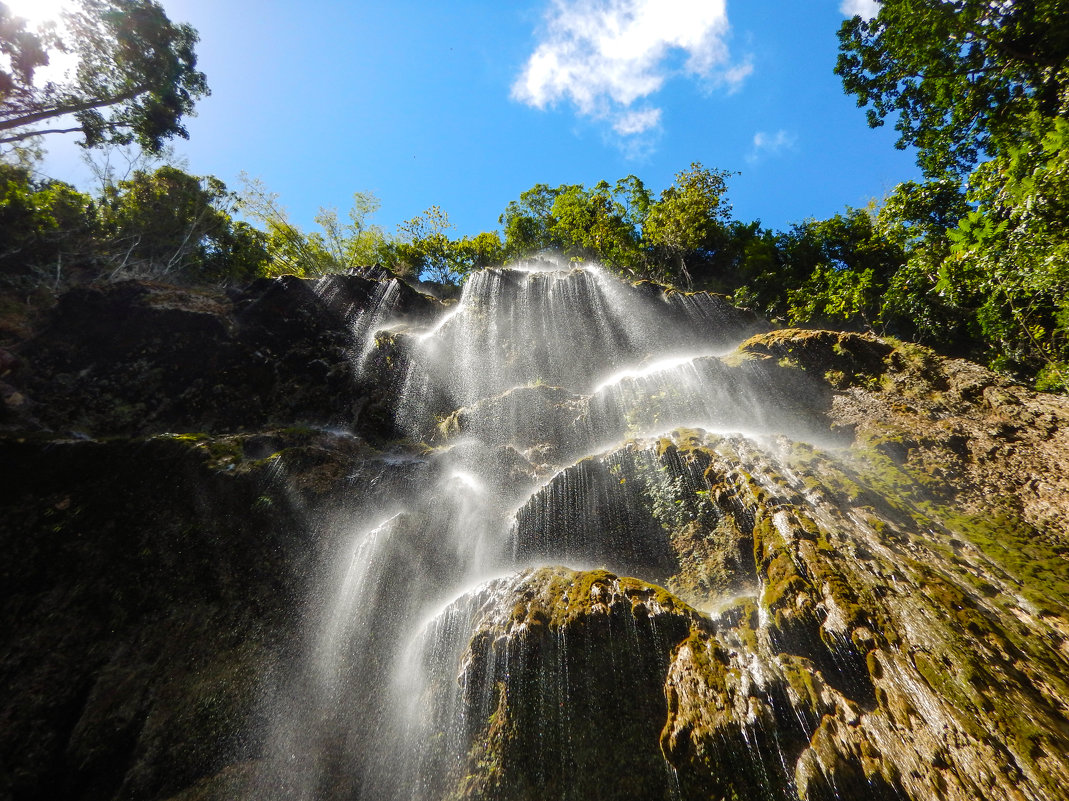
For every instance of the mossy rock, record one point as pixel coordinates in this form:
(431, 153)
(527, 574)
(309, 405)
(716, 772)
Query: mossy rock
(847, 358)
(575, 698)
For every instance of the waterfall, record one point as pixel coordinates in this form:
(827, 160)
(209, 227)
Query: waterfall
(536, 368)
(499, 628)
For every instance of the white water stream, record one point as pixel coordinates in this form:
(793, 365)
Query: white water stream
(548, 364)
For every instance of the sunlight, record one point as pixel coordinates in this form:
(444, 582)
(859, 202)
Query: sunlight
(36, 12)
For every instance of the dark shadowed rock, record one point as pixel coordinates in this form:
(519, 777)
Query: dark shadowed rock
(135, 358)
(865, 595)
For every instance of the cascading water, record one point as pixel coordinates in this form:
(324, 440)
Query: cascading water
(594, 361)
(579, 423)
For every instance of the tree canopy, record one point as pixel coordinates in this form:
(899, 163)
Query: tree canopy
(966, 78)
(981, 89)
(134, 81)
(162, 223)
(622, 224)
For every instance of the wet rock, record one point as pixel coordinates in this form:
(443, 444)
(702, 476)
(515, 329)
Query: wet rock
(148, 588)
(855, 562)
(864, 594)
(564, 680)
(535, 417)
(135, 358)
(843, 359)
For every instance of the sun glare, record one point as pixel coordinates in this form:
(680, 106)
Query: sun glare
(37, 11)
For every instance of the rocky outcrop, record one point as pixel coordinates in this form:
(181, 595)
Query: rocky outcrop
(149, 586)
(566, 677)
(884, 616)
(865, 595)
(135, 358)
(154, 582)
(864, 649)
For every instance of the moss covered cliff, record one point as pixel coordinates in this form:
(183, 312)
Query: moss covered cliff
(865, 595)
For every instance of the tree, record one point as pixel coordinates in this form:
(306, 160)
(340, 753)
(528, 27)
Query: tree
(528, 222)
(23, 52)
(170, 223)
(1010, 258)
(687, 215)
(161, 223)
(423, 248)
(916, 218)
(48, 227)
(355, 243)
(291, 251)
(834, 271)
(477, 252)
(592, 225)
(981, 89)
(135, 78)
(964, 77)
(600, 224)
(739, 254)
(621, 225)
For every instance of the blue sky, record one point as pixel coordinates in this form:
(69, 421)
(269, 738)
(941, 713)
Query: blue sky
(453, 103)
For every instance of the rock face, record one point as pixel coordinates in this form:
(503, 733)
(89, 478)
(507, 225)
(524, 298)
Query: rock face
(135, 358)
(148, 586)
(151, 578)
(802, 565)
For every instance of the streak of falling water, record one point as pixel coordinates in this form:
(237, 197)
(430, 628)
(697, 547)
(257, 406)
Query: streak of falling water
(431, 709)
(367, 321)
(378, 712)
(566, 328)
(347, 616)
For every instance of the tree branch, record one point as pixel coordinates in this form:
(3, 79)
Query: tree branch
(18, 137)
(74, 108)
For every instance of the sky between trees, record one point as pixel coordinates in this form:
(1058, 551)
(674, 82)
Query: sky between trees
(468, 105)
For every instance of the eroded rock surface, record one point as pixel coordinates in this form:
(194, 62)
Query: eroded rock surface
(899, 628)
(136, 358)
(816, 566)
(149, 587)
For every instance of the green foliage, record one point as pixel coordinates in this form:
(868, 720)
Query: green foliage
(621, 225)
(44, 224)
(593, 225)
(1010, 258)
(171, 223)
(601, 224)
(738, 259)
(290, 250)
(422, 248)
(684, 221)
(354, 243)
(820, 272)
(160, 223)
(527, 222)
(476, 253)
(23, 51)
(965, 78)
(135, 78)
(338, 246)
(835, 295)
(916, 218)
(986, 241)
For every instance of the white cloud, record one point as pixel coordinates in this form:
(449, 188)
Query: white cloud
(765, 144)
(637, 121)
(866, 9)
(606, 56)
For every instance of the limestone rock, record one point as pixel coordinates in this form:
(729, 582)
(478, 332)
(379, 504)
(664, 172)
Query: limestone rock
(863, 595)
